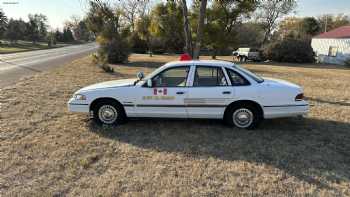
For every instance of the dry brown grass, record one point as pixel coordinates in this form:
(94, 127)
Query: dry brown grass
(45, 150)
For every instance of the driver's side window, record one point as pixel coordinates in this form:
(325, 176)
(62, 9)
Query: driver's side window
(172, 77)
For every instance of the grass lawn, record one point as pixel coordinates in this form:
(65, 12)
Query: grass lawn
(22, 46)
(45, 150)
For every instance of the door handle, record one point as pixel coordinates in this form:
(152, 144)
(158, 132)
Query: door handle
(226, 92)
(179, 93)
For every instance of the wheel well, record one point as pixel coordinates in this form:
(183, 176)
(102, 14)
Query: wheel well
(96, 101)
(245, 102)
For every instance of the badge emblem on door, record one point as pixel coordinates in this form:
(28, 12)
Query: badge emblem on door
(160, 91)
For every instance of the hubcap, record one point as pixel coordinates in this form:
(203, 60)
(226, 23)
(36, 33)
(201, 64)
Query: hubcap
(107, 114)
(243, 118)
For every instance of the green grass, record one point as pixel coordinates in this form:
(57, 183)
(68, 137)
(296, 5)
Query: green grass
(22, 46)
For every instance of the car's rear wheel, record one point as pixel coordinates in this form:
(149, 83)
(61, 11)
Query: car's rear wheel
(108, 113)
(244, 117)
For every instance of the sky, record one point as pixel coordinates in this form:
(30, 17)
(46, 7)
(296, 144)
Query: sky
(58, 11)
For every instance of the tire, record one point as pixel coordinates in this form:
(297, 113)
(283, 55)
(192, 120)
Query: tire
(109, 113)
(244, 116)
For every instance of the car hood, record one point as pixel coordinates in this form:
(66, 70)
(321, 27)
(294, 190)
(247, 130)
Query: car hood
(109, 84)
(279, 82)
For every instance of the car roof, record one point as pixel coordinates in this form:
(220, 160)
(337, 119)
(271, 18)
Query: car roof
(199, 62)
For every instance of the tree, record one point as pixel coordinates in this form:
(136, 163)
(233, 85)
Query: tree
(83, 31)
(15, 30)
(68, 35)
(270, 11)
(225, 8)
(249, 34)
(143, 30)
(131, 10)
(223, 20)
(37, 27)
(100, 14)
(202, 13)
(59, 36)
(330, 22)
(310, 26)
(51, 39)
(105, 23)
(187, 29)
(298, 28)
(3, 22)
(290, 50)
(289, 27)
(79, 28)
(166, 24)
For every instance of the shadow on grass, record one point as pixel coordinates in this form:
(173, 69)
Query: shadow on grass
(312, 150)
(341, 103)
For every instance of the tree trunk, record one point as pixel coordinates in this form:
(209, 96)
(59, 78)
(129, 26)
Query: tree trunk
(266, 37)
(187, 29)
(213, 55)
(149, 43)
(202, 13)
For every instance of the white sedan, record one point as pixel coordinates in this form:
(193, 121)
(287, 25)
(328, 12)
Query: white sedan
(193, 89)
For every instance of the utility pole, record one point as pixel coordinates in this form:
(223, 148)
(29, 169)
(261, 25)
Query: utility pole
(326, 23)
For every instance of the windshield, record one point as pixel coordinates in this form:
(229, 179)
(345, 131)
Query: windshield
(250, 74)
(153, 73)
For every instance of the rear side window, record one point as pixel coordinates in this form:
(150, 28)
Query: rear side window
(236, 78)
(209, 76)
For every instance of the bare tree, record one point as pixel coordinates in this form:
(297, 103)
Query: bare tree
(202, 13)
(133, 9)
(187, 29)
(270, 11)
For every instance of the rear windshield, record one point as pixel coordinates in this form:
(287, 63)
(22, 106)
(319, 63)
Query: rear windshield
(256, 78)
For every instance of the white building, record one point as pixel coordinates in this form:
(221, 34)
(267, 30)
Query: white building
(332, 47)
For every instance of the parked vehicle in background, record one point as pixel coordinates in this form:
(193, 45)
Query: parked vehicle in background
(245, 54)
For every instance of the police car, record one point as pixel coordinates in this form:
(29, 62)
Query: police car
(193, 89)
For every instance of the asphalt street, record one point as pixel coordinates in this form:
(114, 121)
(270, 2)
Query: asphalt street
(17, 65)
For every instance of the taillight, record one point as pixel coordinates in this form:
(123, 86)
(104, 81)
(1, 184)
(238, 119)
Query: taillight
(299, 97)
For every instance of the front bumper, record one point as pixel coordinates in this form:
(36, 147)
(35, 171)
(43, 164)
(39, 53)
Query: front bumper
(75, 106)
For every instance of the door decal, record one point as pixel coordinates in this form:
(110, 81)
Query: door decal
(160, 91)
(159, 94)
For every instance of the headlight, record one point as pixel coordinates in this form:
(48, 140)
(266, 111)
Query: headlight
(79, 97)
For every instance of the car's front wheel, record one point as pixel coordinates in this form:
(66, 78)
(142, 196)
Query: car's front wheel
(108, 113)
(244, 117)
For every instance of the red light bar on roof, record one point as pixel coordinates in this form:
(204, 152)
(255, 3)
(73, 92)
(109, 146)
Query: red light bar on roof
(185, 57)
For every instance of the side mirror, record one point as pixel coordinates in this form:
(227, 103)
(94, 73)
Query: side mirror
(149, 83)
(140, 75)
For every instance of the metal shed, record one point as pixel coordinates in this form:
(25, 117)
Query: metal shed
(332, 47)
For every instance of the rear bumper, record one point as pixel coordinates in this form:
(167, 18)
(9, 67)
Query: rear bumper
(78, 107)
(285, 111)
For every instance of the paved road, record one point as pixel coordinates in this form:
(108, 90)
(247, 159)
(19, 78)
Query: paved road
(17, 65)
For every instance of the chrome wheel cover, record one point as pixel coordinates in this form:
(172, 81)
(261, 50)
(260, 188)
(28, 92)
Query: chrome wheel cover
(107, 114)
(243, 118)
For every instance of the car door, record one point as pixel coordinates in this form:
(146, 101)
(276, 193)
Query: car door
(209, 92)
(165, 98)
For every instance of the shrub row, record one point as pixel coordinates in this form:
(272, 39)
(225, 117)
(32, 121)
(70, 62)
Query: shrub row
(290, 50)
